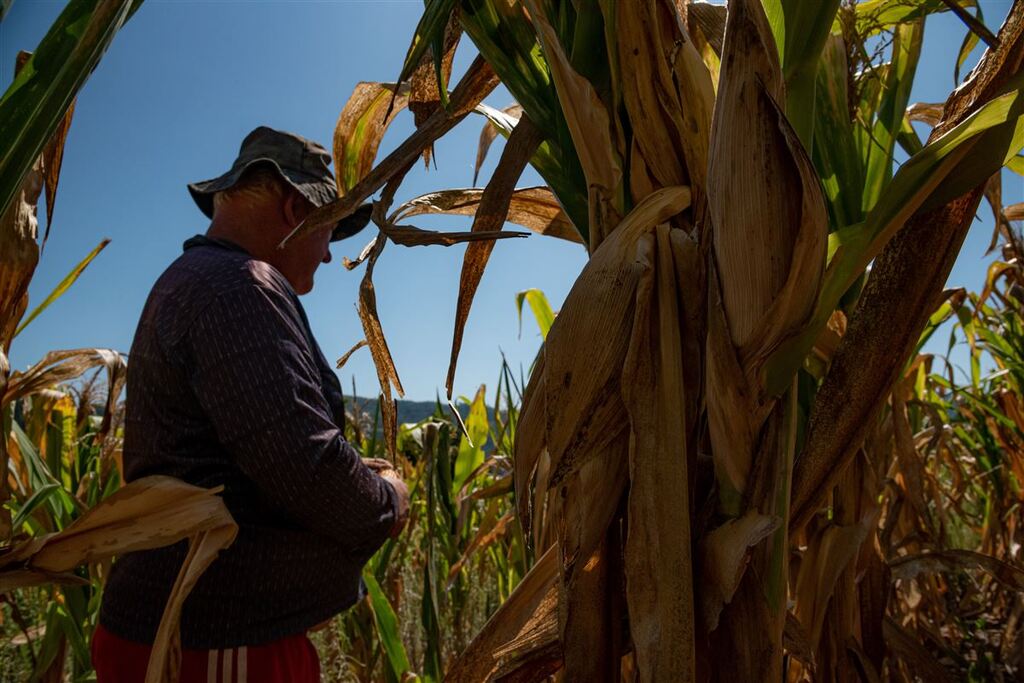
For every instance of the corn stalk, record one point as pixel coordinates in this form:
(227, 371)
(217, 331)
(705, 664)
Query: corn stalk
(690, 423)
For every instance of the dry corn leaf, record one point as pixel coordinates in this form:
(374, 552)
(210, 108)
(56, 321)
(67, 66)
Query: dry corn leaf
(411, 236)
(534, 208)
(19, 253)
(487, 135)
(387, 374)
(475, 85)
(424, 89)
(61, 366)
(920, 661)
(148, 513)
(348, 354)
(490, 216)
(724, 553)
(589, 602)
(658, 561)
(646, 35)
(930, 113)
(531, 608)
(709, 19)
(911, 566)
(361, 126)
(827, 555)
(583, 397)
(53, 157)
(529, 446)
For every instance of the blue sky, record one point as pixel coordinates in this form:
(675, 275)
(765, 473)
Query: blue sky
(184, 82)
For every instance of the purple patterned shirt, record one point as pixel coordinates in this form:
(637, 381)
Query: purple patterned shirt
(227, 386)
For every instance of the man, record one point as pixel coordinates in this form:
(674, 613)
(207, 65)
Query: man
(228, 387)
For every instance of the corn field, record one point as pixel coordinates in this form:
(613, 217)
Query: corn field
(732, 459)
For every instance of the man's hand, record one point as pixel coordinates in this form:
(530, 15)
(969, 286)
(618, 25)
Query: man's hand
(402, 491)
(385, 470)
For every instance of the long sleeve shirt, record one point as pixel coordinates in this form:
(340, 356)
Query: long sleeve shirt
(227, 386)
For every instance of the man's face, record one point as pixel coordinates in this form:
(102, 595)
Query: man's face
(304, 254)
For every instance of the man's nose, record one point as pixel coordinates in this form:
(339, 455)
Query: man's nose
(327, 256)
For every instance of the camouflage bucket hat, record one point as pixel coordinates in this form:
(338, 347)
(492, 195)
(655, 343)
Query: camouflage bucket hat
(302, 163)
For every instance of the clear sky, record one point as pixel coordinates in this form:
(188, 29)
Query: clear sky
(184, 82)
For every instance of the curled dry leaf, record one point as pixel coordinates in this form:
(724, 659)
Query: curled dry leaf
(534, 208)
(148, 513)
(475, 85)
(911, 566)
(582, 390)
(724, 553)
(658, 562)
(60, 366)
(361, 127)
(348, 354)
(527, 621)
(925, 112)
(424, 89)
(490, 216)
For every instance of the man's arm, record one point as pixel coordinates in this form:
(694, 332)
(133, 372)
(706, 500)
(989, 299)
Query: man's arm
(254, 375)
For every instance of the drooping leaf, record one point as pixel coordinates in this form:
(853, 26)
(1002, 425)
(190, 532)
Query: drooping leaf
(531, 207)
(37, 101)
(387, 628)
(361, 126)
(542, 312)
(490, 216)
(63, 285)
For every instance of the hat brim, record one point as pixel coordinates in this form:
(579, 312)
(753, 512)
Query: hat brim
(316, 190)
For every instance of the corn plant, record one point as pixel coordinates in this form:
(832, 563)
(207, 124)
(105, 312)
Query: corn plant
(695, 448)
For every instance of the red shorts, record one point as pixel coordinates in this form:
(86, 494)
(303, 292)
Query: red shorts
(289, 660)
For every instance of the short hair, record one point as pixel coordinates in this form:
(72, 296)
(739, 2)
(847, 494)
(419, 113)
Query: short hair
(257, 182)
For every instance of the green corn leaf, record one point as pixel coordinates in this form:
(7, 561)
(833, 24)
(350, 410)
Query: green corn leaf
(387, 628)
(62, 286)
(40, 477)
(37, 100)
(471, 449)
(875, 16)
(40, 496)
(966, 47)
(542, 312)
(835, 152)
(959, 160)
(880, 142)
(429, 30)
(801, 29)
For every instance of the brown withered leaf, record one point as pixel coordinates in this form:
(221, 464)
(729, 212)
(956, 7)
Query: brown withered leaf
(709, 19)
(925, 112)
(530, 444)
(348, 354)
(475, 85)
(61, 366)
(361, 127)
(534, 208)
(724, 554)
(424, 95)
(910, 566)
(148, 513)
(490, 216)
(658, 561)
(529, 616)
(827, 555)
(583, 395)
(53, 157)
(19, 253)
(411, 236)
(387, 374)
(906, 647)
(487, 135)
